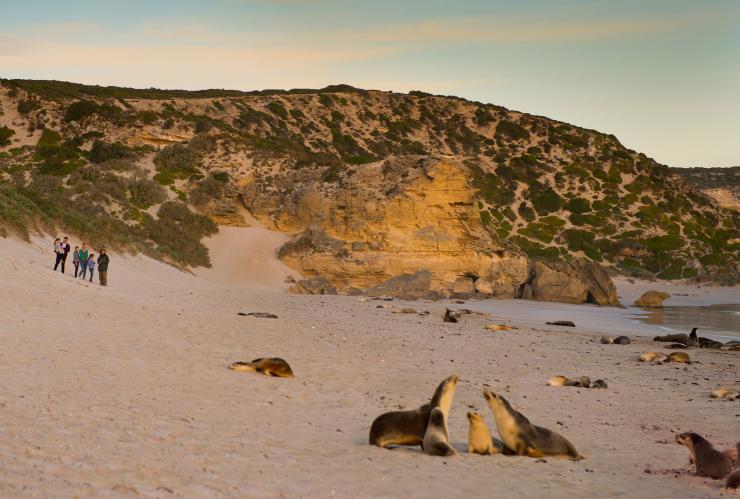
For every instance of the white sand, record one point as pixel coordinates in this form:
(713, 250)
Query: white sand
(124, 390)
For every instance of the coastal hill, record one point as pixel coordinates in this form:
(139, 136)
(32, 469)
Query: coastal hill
(723, 184)
(370, 185)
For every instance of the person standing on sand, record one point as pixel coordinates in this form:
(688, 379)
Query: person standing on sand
(91, 266)
(102, 267)
(76, 259)
(58, 251)
(65, 250)
(83, 260)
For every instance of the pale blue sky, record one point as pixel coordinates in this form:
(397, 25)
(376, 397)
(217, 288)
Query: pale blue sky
(662, 75)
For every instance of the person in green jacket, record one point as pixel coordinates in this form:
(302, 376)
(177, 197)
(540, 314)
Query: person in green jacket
(103, 261)
(84, 255)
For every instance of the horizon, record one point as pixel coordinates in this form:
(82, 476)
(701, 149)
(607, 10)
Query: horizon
(660, 76)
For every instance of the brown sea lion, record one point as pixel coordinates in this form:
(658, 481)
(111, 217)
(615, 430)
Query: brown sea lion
(732, 485)
(479, 436)
(436, 438)
(524, 438)
(673, 338)
(269, 366)
(409, 427)
(709, 461)
(599, 384)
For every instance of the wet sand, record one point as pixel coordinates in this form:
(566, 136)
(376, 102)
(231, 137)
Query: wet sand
(108, 392)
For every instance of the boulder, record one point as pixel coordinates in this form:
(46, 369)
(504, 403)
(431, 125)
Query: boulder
(576, 281)
(483, 287)
(651, 299)
(318, 285)
(463, 286)
(406, 287)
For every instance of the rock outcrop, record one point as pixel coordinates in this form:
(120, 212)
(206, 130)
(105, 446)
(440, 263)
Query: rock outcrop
(407, 287)
(576, 281)
(651, 299)
(318, 285)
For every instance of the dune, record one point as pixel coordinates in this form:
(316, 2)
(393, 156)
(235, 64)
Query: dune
(124, 390)
(247, 256)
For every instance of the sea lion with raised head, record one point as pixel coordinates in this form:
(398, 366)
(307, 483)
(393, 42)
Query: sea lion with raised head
(409, 427)
(524, 438)
(480, 440)
(709, 461)
(269, 366)
(437, 438)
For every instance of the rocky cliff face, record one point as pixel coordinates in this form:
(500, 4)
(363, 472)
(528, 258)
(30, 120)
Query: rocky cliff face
(371, 185)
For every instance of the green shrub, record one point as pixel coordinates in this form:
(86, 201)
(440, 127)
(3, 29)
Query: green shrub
(168, 123)
(544, 230)
(177, 232)
(144, 192)
(668, 242)
(148, 117)
(5, 134)
(511, 130)
(578, 205)
(78, 111)
(278, 109)
(26, 106)
(178, 160)
(104, 151)
(547, 201)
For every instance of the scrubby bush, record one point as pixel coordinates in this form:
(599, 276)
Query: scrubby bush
(278, 109)
(78, 111)
(105, 151)
(5, 134)
(547, 201)
(145, 192)
(26, 106)
(512, 130)
(177, 232)
(175, 161)
(148, 117)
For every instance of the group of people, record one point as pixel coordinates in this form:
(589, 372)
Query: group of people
(83, 260)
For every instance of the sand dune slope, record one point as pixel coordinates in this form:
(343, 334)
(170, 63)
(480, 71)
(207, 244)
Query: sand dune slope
(109, 392)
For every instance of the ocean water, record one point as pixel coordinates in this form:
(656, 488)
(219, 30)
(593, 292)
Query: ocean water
(712, 320)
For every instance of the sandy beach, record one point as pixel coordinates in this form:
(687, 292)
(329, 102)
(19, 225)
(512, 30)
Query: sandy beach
(124, 391)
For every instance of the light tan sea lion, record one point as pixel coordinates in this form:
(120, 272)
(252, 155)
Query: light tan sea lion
(653, 357)
(725, 393)
(524, 438)
(583, 382)
(436, 438)
(479, 437)
(679, 357)
(708, 460)
(409, 427)
(269, 366)
(499, 327)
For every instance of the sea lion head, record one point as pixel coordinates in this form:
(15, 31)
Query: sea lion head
(437, 418)
(688, 439)
(474, 417)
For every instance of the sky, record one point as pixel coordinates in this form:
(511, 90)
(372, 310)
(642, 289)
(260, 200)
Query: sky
(661, 75)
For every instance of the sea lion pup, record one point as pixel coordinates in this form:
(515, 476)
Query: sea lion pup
(653, 357)
(409, 427)
(680, 357)
(673, 338)
(725, 393)
(709, 461)
(524, 438)
(599, 383)
(479, 437)
(557, 381)
(269, 366)
(619, 340)
(436, 438)
(733, 483)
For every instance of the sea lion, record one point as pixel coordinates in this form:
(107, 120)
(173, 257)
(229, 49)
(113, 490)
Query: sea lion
(499, 327)
(607, 340)
(479, 437)
(524, 438)
(622, 340)
(269, 366)
(679, 357)
(673, 338)
(599, 383)
(725, 393)
(653, 357)
(677, 346)
(583, 382)
(733, 483)
(436, 438)
(562, 323)
(693, 340)
(709, 461)
(708, 343)
(409, 427)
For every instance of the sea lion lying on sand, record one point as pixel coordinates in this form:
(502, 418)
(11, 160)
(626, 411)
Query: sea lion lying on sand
(524, 438)
(733, 481)
(409, 427)
(653, 357)
(619, 340)
(582, 382)
(709, 461)
(726, 393)
(269, 366)
(673, 338)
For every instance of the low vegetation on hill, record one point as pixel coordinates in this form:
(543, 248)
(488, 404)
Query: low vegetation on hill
(139, 168)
